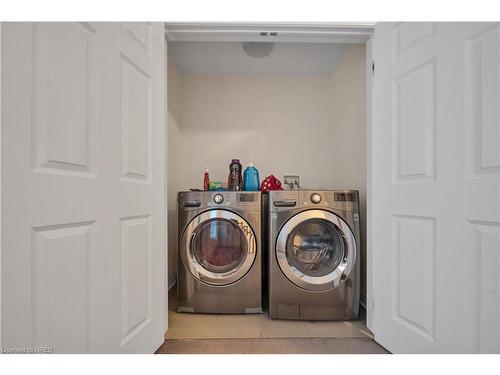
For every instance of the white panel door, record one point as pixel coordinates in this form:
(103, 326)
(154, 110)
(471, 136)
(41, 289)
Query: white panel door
(436, 174)
(83, 218)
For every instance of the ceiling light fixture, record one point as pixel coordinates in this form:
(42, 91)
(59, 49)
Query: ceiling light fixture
(258, 49)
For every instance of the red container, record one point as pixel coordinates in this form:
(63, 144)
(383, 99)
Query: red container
(206, 180)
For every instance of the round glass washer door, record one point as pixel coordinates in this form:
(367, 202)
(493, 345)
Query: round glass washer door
(218, 247)
(316, 250)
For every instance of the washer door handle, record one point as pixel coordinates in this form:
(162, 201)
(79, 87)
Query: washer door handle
(346, 253)
(346, 248)
(191, 243)
(191, 204)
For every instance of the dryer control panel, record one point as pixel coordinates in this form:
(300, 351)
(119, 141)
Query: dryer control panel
(287, 200)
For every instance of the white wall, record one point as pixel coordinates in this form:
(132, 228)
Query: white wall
(313, 126)
(348, 100)
(174, 184)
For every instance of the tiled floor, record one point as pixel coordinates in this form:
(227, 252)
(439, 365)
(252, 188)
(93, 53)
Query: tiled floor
(206, 326)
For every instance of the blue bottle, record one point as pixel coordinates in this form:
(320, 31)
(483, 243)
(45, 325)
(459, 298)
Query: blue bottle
(251, 178)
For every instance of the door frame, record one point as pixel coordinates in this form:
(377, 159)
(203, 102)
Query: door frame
(1, 128)
(370, 173)
(306, 32)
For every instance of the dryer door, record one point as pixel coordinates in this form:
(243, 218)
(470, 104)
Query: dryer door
(316, 250)
(218, 247)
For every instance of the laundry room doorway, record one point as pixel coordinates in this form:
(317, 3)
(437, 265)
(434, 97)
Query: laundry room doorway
(418, 137)
(284, 97)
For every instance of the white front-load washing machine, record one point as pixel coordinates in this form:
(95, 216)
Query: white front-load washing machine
(313, 247)
(219, 270)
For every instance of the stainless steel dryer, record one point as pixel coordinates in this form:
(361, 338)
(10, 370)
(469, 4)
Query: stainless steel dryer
(314, 271)
(219, 270)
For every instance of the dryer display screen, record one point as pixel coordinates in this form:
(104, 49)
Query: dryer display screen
(345, 197)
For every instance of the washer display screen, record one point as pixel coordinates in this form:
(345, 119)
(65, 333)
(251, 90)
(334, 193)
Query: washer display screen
(245, 198)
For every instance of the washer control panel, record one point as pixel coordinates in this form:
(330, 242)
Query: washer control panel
(196, 200)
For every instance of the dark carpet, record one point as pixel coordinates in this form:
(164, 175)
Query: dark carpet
(272, 346)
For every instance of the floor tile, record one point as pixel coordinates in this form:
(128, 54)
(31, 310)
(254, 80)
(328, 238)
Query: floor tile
(183, 325)
(239, 326)
(284, 328)
(202, 326)
(335, 329)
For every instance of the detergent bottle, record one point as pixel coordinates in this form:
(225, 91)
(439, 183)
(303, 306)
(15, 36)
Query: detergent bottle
(251, 178)
(234, 182)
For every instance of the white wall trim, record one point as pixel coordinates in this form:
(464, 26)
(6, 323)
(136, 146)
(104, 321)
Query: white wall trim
(1, 24)
(370, 305)
(285, 32)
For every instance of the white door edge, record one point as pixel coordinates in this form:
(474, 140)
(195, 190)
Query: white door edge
(1, 23)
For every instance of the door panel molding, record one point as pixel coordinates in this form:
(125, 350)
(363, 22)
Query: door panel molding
(482, 51)
(136, 277)
(65, 99)
(414, 263)
(409, 34)
(485, 243)
(56, 287)
(414, 124)
(136, 120)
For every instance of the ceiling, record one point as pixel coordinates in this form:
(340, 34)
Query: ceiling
(228, 58)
